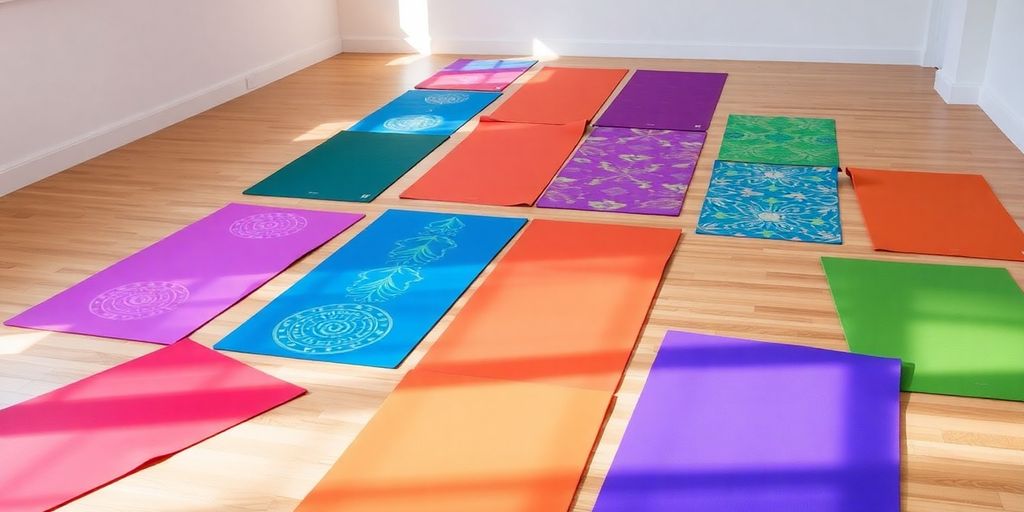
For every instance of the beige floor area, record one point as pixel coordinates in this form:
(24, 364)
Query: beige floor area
(960, 454)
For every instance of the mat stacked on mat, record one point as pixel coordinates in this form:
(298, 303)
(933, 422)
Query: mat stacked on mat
(360, 163)
(66, 443)
(727, 424)
(372, 301)
(168, 290)
(641, 157)
(775, 178)
(495, 420)
(477, 75)
(513, 153)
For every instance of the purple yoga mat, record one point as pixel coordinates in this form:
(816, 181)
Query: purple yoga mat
(627, 170)
(666, 100)
(171, 288)
(726, 424)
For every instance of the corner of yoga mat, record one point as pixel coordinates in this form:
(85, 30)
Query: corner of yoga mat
(373, 300)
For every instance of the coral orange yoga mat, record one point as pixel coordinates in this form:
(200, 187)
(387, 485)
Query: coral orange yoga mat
(560, 95)
(449, 443)
(936, 213)
(504, 164)
(564, 306)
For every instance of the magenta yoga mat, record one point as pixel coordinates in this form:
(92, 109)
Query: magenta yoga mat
(666, 100)
(727, 424)
(171, 288)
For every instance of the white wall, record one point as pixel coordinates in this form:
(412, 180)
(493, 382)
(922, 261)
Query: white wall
(81, 77)
(1002, 92)
(877, 31)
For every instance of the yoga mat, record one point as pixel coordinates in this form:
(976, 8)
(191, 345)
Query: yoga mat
(560, 95)
(451, 443)
(666, 100)
(504, 164)
(627, 170)
(780, 140)
(477, 75)
(426, 112)
(350, 166)
(727, 424)
(564, 306)
(171, 288)
(936, 213)
(778, 202)
(959, 330)
(66, 443)
(377, 296)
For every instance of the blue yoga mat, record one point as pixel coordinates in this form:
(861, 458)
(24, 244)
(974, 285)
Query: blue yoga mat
(373, 300)
(426, 112)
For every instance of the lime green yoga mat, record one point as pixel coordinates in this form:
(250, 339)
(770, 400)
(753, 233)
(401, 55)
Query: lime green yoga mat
(959, 330)
(780, 140)
(350, 166)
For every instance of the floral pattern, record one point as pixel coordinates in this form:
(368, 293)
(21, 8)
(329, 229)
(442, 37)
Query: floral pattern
(772, 201)
(780, 140)
(627, 170)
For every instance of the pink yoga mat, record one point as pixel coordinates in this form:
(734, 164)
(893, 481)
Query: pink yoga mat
(66, 443)
(171, 288)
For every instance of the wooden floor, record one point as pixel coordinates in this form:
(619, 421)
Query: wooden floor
(960, 454)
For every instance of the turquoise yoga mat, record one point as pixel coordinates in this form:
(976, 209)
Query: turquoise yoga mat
(373, 300)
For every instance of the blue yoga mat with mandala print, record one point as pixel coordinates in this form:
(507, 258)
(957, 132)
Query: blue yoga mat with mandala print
(426, 112)
(782, 202)
(373, 300)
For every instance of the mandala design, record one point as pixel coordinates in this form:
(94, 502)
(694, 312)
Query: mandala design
(268, 225)
(627, 170)
(446, 98)
(333, 328)
(772, 201)
(134, 301)
(780, 140)
(413, 123)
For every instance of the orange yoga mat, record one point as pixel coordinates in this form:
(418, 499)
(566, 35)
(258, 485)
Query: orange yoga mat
(936, 213)
(565, 306)
(504, 164)
(448, 443)
(560, 95)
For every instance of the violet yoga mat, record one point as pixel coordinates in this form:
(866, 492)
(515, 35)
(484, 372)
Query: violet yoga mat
(627, 170)
(171, 288)
(727, 424)
(666, 100)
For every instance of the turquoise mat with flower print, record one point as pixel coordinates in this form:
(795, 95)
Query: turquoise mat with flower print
(780, 140)
(781, 202)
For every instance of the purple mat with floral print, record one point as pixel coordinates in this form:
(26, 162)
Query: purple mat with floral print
(627, 170)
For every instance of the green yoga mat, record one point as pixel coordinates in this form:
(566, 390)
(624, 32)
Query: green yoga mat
(806, 141)
(959, 330)
(350, 166)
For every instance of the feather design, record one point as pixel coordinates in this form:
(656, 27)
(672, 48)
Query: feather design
(382, 284)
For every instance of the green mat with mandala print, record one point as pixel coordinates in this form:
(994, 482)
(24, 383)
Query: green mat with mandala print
(803, 141)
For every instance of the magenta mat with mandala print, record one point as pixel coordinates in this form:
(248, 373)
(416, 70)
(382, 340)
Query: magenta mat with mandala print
(171, 288)
(627, 170)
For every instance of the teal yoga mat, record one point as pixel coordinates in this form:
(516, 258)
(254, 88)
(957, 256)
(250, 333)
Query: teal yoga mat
(373, 300)
(350, 166)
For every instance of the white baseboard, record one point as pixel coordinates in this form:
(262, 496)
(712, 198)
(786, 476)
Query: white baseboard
(956, 93)
(644, 49)
(1010, 122)
(52, 160)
